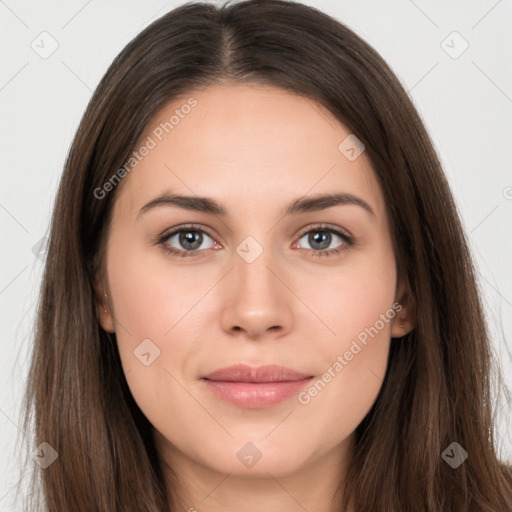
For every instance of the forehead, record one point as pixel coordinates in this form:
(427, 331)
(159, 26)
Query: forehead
(248, 146)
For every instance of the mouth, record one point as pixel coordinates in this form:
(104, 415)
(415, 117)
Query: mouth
(255, 387)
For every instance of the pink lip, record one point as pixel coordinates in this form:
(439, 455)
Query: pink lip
(256, 388)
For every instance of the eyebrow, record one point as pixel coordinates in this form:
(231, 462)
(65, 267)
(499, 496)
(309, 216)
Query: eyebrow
(301, 205)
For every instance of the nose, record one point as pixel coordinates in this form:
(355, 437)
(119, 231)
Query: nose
(256, 300)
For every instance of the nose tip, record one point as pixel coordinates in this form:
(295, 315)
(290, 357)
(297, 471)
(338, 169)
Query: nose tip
(255, 332)
(257, 302)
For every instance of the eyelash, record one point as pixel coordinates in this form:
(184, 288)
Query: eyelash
(161, 240)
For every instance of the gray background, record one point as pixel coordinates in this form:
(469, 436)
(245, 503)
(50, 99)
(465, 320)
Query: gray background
(465, 101)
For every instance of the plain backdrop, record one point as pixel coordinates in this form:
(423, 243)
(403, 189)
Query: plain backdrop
(454, 58)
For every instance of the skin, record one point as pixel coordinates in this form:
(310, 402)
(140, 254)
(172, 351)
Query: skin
(255, 149)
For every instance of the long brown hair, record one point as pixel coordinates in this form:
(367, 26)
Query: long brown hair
(439, 381)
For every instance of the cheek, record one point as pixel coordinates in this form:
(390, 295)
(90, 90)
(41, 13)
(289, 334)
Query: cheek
(151, 296)
(356, 303)
(355, 300)
(153, 327)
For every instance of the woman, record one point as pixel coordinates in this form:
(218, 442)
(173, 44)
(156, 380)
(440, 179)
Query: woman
(196, 349)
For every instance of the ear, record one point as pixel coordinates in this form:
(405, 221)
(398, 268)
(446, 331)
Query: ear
(104, 308)
(404, 320)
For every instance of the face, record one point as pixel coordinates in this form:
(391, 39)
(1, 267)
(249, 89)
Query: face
(262, 273)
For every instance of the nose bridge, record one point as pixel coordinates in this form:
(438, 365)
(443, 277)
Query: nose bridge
(257, 299)
(253, 262)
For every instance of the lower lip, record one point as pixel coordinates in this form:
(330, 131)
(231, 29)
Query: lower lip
(256, 395)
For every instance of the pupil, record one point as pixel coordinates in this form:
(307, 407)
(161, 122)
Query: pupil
(322, 237)
(188, 238)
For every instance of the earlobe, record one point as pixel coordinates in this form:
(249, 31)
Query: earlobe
(401, 326)
(106, 318)
(104, 310)
(405, 319)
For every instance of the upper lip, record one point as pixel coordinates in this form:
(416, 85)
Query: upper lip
(245, 373)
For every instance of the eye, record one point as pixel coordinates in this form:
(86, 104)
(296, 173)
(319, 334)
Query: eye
(322, 237)
(188, 239)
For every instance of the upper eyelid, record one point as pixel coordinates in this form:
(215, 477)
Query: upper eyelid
(324, 227)
(192, 227)
(195, 227)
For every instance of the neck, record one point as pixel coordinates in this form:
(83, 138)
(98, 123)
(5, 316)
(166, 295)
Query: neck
(313, 487)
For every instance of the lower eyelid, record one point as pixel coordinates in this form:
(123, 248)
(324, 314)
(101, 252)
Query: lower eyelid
(164, 240)
(347, 241)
